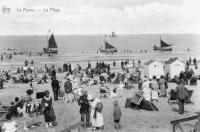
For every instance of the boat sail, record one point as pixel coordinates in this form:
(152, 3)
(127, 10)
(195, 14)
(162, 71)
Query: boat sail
(163, 46)
(52, 46)
(108, 48)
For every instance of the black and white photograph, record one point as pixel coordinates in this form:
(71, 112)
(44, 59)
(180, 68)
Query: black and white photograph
(100, 65)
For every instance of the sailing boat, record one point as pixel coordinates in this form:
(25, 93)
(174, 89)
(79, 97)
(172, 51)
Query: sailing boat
(108, 48)
(52, 46)
(163, 46)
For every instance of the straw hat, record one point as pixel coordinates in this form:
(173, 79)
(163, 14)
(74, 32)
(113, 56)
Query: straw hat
(90, 97)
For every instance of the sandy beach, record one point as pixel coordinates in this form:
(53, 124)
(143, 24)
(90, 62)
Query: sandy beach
(132, 120)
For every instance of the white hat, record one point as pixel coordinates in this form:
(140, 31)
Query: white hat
(90, 97)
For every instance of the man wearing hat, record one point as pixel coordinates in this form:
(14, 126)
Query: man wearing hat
(181, 95)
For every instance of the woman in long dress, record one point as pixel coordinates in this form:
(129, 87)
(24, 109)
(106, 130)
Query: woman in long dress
(154, 86)
(48, 110)
(146, 89)
(96, 116)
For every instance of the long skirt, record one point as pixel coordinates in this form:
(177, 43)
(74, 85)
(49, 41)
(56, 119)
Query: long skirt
(154, 94)
(49, 115)
(147, 95)
(98, 121)
(163, 90)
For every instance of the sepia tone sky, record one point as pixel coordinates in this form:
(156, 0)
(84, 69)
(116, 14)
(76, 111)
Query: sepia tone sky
(100, 16)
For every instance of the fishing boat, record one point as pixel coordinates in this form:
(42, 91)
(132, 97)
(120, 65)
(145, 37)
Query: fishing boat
(163, 46)
(108, 48)
(52, 46)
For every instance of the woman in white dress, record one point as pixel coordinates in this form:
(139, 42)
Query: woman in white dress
(146, 89)
(96, 116)
(154, 86)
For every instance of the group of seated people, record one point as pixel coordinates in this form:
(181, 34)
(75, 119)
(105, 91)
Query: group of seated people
(186, 77)
(19, 105)
(106, 92)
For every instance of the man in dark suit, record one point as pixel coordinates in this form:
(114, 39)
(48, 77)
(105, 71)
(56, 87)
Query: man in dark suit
(68, 90)
(53, 72)
(55, 87)
(181, 95)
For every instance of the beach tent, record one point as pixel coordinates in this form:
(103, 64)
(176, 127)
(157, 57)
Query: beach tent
(153, 68)
(174, 66)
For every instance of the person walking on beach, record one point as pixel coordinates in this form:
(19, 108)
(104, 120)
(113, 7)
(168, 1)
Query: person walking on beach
(116, 114)
(84, 109)
(55, 87)
(68, 90)
(48, 111)
(154, 86)
(181, 95)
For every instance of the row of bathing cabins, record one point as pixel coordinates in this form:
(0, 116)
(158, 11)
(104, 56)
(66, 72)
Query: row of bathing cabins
(172, 66)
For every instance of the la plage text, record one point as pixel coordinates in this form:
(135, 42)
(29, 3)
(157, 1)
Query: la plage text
(45, 10)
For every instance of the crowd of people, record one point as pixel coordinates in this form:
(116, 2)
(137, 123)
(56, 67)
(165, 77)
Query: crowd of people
(91, 107)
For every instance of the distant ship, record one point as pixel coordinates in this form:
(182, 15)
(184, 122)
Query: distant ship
(113, 35)
(108, 48)
(52, 46)
(163, 46)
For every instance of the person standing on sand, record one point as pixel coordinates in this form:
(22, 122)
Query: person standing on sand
(55, 87)
(96, 116)
(162, 86)
(116, 114)
(53, 72)
(48, 111)
(154, 86)
(84, 109)
(181, 95)
(68, 90)
(146, 89)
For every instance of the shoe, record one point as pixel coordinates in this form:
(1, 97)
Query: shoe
(47, 125)
(50, 124)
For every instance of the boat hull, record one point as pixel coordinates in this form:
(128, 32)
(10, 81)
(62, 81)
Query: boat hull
(163, 48)
(107, 51)
(50, 51)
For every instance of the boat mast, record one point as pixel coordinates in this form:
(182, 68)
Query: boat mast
(48, 37)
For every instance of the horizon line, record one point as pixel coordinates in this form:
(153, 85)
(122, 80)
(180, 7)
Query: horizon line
(98, 34)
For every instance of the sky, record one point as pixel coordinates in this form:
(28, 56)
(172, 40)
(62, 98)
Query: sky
(100, 16)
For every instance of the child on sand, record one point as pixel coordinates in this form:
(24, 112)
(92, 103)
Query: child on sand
(117, 114)
(26, 117)
(9, 125)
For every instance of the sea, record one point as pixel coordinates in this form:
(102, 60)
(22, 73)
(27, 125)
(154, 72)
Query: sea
(84, 47)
